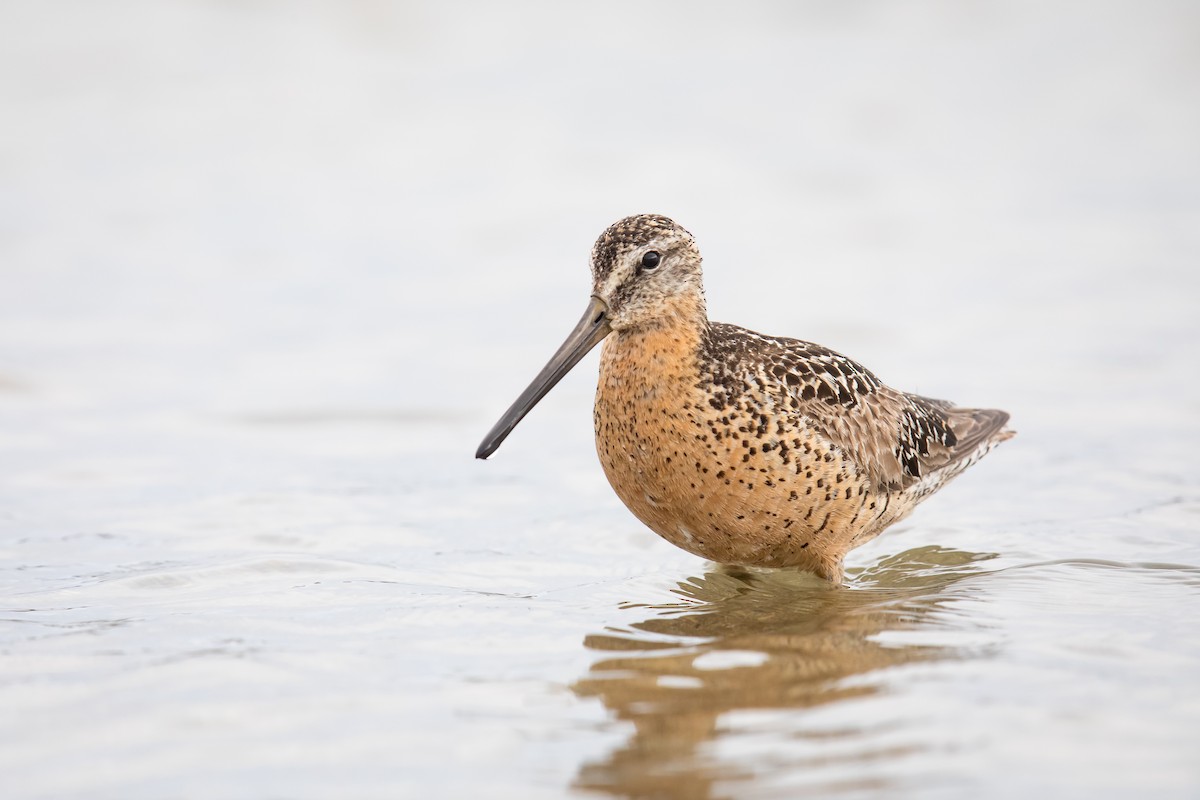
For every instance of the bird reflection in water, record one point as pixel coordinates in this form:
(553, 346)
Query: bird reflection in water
(756, 641)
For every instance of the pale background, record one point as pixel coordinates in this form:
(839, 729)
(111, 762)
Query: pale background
(269, 271)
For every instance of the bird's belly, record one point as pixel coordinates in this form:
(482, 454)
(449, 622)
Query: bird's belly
(735, 492)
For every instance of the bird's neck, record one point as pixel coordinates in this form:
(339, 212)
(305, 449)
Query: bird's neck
(662, 348)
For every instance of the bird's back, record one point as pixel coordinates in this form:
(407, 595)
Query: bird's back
(898, 439)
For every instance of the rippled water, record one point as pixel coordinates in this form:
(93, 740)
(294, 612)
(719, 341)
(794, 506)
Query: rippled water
(268, 273)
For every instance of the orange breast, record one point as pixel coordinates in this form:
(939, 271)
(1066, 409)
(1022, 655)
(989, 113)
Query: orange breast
(716, 484)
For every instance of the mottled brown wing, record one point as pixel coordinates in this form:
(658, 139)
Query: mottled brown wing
(894, 437)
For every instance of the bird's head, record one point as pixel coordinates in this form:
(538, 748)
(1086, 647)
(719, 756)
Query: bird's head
(645, 273)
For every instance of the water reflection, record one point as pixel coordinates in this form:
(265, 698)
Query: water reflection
(755, 641)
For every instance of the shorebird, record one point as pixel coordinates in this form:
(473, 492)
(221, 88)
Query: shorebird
(738, 447)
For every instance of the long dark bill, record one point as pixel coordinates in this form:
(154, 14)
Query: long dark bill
(587, 334)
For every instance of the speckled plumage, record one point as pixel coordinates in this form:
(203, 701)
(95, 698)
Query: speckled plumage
(744, 448)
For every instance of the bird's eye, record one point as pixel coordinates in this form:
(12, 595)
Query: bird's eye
(650, 260)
